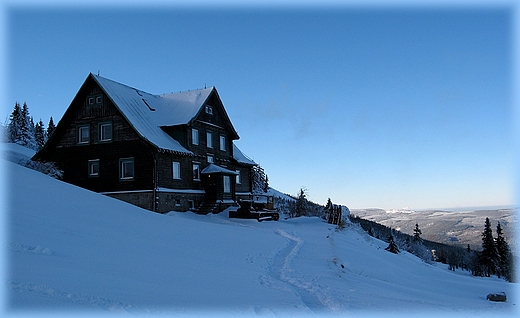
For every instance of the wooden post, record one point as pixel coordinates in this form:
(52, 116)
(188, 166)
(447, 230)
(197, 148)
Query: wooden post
(334, 214)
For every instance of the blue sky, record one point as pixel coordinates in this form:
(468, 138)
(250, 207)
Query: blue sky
(373, 107)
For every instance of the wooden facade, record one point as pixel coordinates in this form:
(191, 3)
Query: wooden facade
(106, 143)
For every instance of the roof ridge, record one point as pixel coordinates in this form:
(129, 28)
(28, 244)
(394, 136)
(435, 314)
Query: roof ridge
(122, 84)
(189, 90)
(140, 90)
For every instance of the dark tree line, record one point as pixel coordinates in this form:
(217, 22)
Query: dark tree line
(302, 206)
(494, 259)
(411, 243)
(22, 130)
(298, 206)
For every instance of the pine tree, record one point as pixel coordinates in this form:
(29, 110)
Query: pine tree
(392, 246)
(417, 234)
(301, 203)
(328, 206)
(39, 134)
(505, 258)
(31, 127)
(327, 210)
(259, 177)
(24, 127)
(488, 257)
(50, 128)
(15, 124)
(27, 129)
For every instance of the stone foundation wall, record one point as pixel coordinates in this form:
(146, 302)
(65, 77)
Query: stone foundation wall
(166, 201)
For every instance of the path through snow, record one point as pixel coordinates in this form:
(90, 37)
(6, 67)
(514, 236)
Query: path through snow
(314, 297)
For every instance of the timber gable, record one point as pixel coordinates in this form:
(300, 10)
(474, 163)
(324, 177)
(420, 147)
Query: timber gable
(140, 148)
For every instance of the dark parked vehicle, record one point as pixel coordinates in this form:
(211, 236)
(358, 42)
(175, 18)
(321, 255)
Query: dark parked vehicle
(497, 297)
(256, 209)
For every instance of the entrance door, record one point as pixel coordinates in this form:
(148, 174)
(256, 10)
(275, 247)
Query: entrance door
(211, 187)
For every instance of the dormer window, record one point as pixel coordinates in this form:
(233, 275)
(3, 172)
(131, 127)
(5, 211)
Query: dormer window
(209, 110)
(95, 100)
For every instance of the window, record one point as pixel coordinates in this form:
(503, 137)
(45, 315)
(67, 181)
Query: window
(93, 168)
(196, 171)
(126, 169)
(209, 110)
(176, 170)
(238, 176)
(95, 100)
(211, 159)
(194, 136)
(209, 139)
(227, 184)
(105, 132)
(83, 134)
(223, 143)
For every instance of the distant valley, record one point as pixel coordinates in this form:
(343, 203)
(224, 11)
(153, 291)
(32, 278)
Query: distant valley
(448, 227)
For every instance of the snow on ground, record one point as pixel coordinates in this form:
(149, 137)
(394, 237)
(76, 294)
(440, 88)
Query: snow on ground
(15, 153)
(278, 194)
(70, 250)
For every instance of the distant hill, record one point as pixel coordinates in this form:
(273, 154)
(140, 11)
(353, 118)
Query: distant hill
(448, 227)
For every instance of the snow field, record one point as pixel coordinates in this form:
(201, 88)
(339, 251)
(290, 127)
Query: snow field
(72, 251)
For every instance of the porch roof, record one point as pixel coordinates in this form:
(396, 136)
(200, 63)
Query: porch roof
(213, 168)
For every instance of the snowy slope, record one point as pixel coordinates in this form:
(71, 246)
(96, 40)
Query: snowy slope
(277, 194)
(15, 153)
(71, 249)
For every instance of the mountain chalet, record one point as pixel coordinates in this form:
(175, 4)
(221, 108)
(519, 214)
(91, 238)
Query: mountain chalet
(160, 152)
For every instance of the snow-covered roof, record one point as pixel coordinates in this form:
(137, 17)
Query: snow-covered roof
(213, 168)
(148, 112)
(240, 157)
